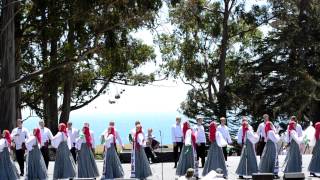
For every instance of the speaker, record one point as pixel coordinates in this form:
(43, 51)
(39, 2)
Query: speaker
(262, 176)
(296, 176)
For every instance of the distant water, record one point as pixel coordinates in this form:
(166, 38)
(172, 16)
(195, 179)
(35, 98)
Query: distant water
(124, 122)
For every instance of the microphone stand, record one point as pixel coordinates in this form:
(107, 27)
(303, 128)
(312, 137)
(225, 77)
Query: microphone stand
(161, 154)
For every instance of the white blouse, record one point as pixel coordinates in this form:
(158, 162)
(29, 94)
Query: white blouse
(295, 136)
(188, 140)
(31, 141)
(109, 141)
(141, 140)
(273, 136)
(3, 144)
(221, 141)
(58, 138)
(253, 138)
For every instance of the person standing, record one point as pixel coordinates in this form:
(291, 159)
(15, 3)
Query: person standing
(19, 136)
(73, 135)
(188, 155)
(117, 135)
(314, 166)
(269, 159)
(87, 167)
(248, 160)
(215, 158)
(64, 166)
(86, 124)
(298, 128)
(262, 135)
(200, 140)
(46, 137)
(140, 164)
(8, 169)
(36, 167)
(149, 149)
(177, 140)
(224, 130)
(112, 167)
(293, 160)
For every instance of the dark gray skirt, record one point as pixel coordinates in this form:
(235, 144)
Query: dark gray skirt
(112, 167)
(36, 167)
(314, 165)
(269, 158)
(87, 167)
(142, 169)
(186, 160)
(248, 160)
(215, 160)
(8, 170)
(294, 158)
(64, 166)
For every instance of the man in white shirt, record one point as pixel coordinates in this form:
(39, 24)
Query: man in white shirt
(200, 140)
(73, 134)
(19, 136)
(224, 130)
(86, 124)
(262, 135)
(112, 124)
(46, 137)
(177, 139)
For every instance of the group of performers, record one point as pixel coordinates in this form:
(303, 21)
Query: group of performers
(186, 139)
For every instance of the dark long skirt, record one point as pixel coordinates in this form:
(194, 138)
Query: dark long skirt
(7, 168)
(186, 160)
(112, 167)
(142, 169)
(314, 165)
(215, 160)
(294, 158)
(248, 161)
(87, 167)
(269, 158)
(64, 166)
(36, 167)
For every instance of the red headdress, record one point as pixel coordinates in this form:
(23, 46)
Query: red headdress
(37, 134)
(7, 136)
(185, 128)
(212, 131)
(267, 127)
(63, 128)
(244, 129)
(291, 127)
(87, 135)
(112, 131)
(317, 127)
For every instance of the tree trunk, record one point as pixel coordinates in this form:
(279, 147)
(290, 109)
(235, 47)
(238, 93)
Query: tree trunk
(315, 112)
(7, 66)
(67, 94)
(18, 37)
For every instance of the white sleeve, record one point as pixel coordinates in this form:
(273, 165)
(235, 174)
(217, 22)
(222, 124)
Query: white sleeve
(173, 134)
(228, 136)
(273, 136)
(109, 141)
(296, 137)
(2, 144)
(119, 138)
(253, 138)
(239, 136)
(13, 133)
(220, 140)
(79, 142)
(188, 139)
(259, 129)
(141, 140)
(299, 130)
(30, 142)
(50, 136)
(92, 140)
(56, 140)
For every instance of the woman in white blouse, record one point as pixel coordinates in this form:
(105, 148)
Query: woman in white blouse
(36, 167)
(248, 160)
(112, 167)
(294, 157)
(269, 159)
(87, 167)
(64, 166)
(7, 168)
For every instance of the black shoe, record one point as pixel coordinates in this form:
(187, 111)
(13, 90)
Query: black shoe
(175, 166)
(276, 177)
(225, 177)
(313, 175)
(241, 177)
(21, 174)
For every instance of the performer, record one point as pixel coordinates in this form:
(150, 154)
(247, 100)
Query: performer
(133, 132)
(200, 140)
(140, 165)
(64, 166)
(87, 167)
(112, 168)
(262, 135)
(188, 155)
(8, 169)
(105, 132)
(224, 130)
(298, 128)
(294, 158)
(86, 124)
(314, 166)
(176, 134)
(36, 167)
(46, 137)
(215, 158)
(269, 159)
(19, 136)
(248, 161)
(149, 148)
(73, 135)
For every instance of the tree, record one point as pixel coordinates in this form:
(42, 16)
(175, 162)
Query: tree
(210, 40)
